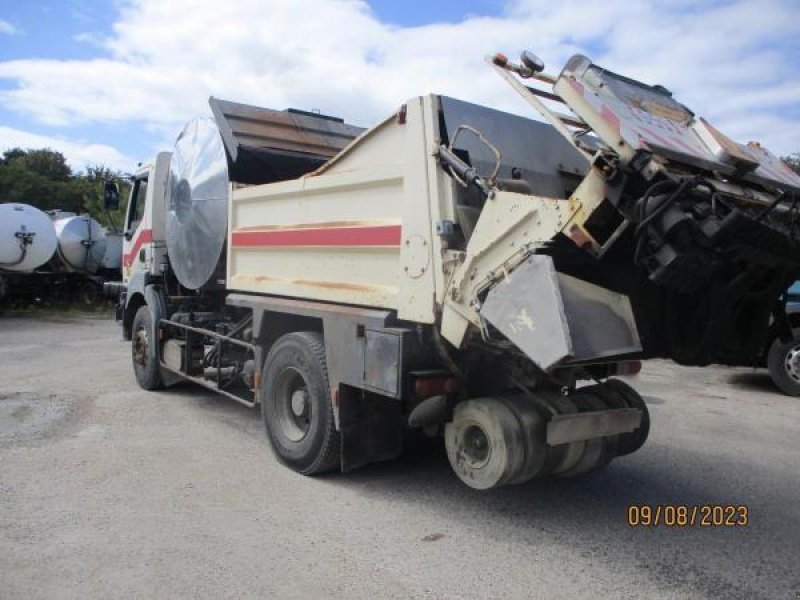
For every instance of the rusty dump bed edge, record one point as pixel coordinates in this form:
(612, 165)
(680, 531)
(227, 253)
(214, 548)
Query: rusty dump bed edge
(265, 145)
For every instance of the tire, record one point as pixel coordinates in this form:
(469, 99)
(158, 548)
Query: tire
(296, 404)
(143, 352)
(89, 294)
(783, 362)
(485, 443)
(534, 434)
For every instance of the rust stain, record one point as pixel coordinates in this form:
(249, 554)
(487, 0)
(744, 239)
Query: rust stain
(320, 225)
(661, 110)
(336, 285)
(330, 285)
(255, 278)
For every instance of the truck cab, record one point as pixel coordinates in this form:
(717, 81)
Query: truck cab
(143, 246)
(143, 250)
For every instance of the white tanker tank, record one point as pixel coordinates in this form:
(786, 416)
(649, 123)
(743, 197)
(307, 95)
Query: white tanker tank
(81, 243)
(27, 237)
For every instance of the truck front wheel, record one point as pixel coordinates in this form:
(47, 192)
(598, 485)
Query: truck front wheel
(296, 404)
(143, 351)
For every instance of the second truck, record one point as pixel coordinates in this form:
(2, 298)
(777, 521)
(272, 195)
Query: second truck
(456, 270)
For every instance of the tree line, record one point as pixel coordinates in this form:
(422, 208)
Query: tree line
(42, 178)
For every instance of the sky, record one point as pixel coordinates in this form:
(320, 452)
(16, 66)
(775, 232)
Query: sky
(113, 82)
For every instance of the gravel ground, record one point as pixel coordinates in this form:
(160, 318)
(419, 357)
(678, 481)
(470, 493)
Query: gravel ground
(108, 491)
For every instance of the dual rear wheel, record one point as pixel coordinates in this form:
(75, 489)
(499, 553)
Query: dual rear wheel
(502, 440)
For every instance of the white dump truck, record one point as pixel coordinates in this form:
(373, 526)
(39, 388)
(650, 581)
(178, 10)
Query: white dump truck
(456, 270)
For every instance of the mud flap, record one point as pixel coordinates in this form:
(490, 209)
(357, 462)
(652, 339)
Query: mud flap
(555, 318)
(370, 427)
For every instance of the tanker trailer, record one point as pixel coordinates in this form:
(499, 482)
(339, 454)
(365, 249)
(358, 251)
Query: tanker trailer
(27, 241)
(27, 237)
(81, 242)
(456, 270)
(77, 261)
(80, 269)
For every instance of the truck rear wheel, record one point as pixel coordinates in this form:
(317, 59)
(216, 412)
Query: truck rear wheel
(143, 351)
(296, 404)
(485, 443)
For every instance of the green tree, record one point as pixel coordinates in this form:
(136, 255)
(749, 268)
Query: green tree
(12, 154)
(47, 163)
(42, 178)
(40, 181)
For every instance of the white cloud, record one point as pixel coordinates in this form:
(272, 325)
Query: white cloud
(733, 62)
(7, 28)
(79, 154)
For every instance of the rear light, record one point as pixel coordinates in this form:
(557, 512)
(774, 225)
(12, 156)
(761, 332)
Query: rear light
(434, 386)
(629, 367)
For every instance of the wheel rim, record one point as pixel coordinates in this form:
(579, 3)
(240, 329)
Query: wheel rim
(292, 404)
(475, 446)
(792, 363)
(140, 346)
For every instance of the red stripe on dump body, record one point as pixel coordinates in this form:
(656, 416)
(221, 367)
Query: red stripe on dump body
(145, 237)
(381, 235)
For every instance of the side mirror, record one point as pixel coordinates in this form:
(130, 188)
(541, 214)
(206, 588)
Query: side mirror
(110, 195)
(128, 235)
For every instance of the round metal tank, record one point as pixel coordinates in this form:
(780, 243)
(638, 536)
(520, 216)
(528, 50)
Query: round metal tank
(197, 204)
(27, 237)
(81, 243)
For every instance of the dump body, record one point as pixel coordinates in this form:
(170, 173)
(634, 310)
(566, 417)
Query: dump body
(362, 229)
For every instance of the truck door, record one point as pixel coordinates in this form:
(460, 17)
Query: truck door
(138, 231)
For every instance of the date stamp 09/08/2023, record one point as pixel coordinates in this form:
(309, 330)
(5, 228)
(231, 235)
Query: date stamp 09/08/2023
(688, 515)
